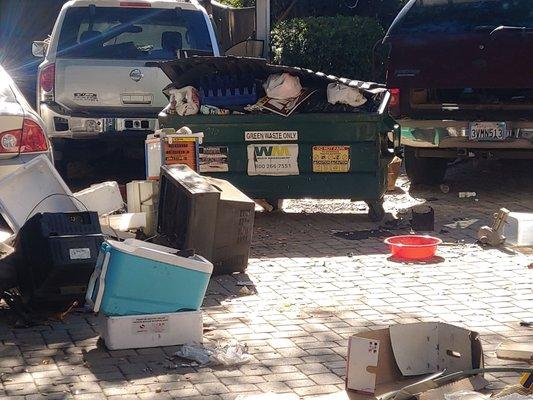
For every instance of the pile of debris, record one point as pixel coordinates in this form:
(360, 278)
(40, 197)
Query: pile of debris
(143, 261)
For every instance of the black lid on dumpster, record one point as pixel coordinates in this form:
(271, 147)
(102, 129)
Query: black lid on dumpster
(186, 71)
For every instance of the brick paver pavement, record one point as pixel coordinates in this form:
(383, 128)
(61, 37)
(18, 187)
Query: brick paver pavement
(314, 287)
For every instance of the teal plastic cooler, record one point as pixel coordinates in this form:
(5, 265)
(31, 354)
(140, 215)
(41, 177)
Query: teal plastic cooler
(135, 277)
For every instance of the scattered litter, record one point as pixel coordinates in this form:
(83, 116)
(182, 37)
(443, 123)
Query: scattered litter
(462, 223)
(466, 395)
(282, 86)
(465, 195)
(344, 94)
(230, 354)
(245, 283)
(268, 396)
(493, 235)
(212, 110)
(184, 101)
(361, 235)
(244, 291)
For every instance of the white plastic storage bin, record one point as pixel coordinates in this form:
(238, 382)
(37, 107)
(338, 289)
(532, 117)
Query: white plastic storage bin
(138, 278)
(104, 198)
(519, 229)
(35, 187)
(153, 330)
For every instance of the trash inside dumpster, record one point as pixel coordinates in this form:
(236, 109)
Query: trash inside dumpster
(292, 142)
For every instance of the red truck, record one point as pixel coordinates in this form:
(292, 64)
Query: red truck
(461, 77)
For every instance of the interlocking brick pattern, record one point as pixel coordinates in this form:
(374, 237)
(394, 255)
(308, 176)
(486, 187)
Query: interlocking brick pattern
(313, 289)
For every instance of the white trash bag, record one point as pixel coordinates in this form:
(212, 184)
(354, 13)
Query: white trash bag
(339, 93)
(184, 101)
(229, 354)
(282, 86)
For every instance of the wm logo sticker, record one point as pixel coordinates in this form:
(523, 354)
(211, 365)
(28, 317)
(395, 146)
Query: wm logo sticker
(272, 151)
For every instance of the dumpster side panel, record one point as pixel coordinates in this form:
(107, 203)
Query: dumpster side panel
(313, 155)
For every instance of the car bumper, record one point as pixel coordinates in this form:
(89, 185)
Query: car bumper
(70, 127)
(454, 134)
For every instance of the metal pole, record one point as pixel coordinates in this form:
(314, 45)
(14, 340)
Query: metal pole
(262, 15)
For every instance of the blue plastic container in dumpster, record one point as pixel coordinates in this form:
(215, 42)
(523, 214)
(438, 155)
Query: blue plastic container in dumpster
(135, 277)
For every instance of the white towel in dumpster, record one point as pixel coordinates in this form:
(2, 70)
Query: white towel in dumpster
(137, 278)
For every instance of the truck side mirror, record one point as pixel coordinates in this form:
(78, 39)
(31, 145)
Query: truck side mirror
(39, 48)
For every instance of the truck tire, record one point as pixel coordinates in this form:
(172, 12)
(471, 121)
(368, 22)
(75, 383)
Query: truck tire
(424, 170)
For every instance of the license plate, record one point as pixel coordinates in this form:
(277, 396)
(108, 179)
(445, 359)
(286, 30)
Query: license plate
(487, 131)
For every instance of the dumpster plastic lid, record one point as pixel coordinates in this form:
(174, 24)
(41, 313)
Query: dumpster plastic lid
(184, 72)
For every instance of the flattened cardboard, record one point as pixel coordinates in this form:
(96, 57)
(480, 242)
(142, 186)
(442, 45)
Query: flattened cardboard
(388, 376)
(446, 347)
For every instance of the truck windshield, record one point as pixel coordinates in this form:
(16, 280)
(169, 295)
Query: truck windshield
(458, 16)
(132, 33)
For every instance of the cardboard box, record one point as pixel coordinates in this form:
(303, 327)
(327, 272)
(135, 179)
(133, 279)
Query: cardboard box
(387, 360)
(151, 330)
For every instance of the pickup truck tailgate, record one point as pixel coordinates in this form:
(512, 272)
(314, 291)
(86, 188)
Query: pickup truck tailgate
(101, 87)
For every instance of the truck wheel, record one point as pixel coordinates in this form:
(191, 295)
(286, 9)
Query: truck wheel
(422, 170)
(277, 204)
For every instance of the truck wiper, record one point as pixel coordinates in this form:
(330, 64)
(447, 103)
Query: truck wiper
(503, 28)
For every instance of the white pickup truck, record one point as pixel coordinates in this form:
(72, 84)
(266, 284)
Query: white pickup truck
(99, 80)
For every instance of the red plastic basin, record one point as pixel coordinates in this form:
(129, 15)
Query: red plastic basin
(413, 247)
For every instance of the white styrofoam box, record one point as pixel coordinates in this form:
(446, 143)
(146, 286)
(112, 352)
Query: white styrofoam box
(518, 229)
(151, 330)
(124, 222)
(35, 187)
(143, 196)
(104, 198)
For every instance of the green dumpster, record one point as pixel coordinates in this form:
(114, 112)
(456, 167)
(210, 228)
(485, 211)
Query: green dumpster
(306, 155)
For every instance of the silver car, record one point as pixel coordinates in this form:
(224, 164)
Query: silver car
(22, 133)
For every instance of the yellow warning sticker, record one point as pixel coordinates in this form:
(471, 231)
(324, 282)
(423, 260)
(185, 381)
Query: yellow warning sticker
(331, 159)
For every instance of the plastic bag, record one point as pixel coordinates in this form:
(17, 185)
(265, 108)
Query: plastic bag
(282, 86)
(230, 354)
(466, 395)
(184, 101)
(339, 93)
